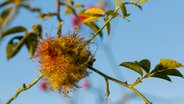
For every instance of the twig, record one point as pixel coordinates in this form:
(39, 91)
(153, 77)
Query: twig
(58, 17)
(106, 22)
(24, 87)
(121, 83)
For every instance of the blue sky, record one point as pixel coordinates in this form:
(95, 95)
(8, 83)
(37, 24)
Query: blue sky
(154, 33)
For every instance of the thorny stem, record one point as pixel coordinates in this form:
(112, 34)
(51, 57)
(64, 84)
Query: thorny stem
(24, 88)
(121, 83)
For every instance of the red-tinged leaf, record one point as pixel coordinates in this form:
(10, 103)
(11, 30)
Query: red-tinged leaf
(92, 14)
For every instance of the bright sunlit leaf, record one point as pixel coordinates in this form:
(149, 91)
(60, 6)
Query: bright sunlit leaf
(78, 5)
(170, 64)
(68, 11)
(94, 11)
(141, 1)
(92, 14)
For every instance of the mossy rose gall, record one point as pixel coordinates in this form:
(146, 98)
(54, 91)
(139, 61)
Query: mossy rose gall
(63, 61)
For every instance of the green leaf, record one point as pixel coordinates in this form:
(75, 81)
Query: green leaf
(6, 12)
(172, 72)
(108, 26)
(37, 29)
(123, 9)
(13, 48)
(94, 27)
(162, 73)
(132, 66)
(145, 64)
(70, 2)
(13, 30)
(32, 9)
(132, 1)
(170, 64)
(109, 12)
(31, 43)
(141, 1)
(139, 6)
(135, 5)
(68, 10)
(92, 14)
(161, 76)
(78, 5)
(94, 11)
(6, 2)
(46, 15)
(10, 49)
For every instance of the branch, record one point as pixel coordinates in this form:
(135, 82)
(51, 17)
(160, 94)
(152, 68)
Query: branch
(106, 22)
(58, 16)
(121, 83)
(69, 6)
(24, 88)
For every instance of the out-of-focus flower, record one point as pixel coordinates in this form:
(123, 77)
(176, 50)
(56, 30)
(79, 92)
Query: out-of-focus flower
(86, 85)
(43, 86)
(77, 20)
(63, 61)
